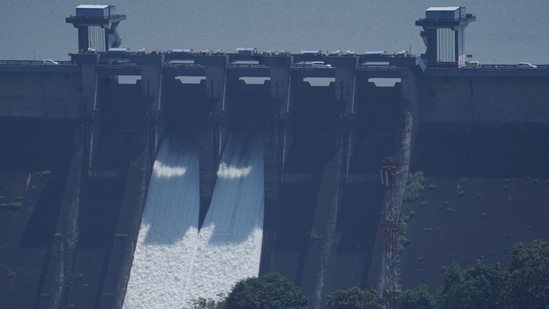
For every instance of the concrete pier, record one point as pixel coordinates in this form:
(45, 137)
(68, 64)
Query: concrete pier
(280, 81)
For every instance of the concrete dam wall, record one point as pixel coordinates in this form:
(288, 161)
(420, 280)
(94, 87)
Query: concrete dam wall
(78, 150)
(40, 95)
(478, 100)
(322, 197)
(79, 140)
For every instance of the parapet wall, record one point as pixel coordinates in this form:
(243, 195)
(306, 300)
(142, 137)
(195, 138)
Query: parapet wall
(451, 99)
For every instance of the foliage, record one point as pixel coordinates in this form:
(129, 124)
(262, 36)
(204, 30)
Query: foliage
(43, 173)
(271, 291)
(524, 284)
(203, 303)
(354, 298)
(417, 298)
(13, 204)
(529, 274)
(482, 286)
(414, 186)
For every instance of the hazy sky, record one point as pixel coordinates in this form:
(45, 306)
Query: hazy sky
(505, 30)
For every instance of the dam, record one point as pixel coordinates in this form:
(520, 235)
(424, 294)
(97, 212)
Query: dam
(76, 174)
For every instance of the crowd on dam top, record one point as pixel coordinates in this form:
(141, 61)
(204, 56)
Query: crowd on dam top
(252, 52)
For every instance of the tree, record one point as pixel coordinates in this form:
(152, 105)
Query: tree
(417, 298)
(524, 284)
(529, 273)
(271, 291)
(481, 287)
(492, 286)
(207, 303)
(354, 298)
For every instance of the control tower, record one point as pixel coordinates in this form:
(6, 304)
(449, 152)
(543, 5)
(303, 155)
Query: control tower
(96, 26)
(443, 34)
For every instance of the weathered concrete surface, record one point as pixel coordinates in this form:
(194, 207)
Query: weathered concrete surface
(483, 100)
(486, 189)
(40, 95)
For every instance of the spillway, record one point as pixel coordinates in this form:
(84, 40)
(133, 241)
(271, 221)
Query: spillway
(169, 228)
(230, 239)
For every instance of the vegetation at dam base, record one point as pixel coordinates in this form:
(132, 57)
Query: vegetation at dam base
(271, 290)
(523, 284)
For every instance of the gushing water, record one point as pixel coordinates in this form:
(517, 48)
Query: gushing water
(168, 234)
(229, 242)
(174, 263)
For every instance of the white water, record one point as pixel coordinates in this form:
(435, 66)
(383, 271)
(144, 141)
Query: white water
(229, 242)
(169, 229)
(174, 263)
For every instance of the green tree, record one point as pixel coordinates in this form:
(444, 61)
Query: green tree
(271, 291)
(457, 292)
(481, 287)
(529, 273)
(207, 303)
(492, 286)
(417, 298)
(354, 298)
(414, 186)
(524, 284)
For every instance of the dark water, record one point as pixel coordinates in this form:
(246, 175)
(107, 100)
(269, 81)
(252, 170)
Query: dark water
(506, 31)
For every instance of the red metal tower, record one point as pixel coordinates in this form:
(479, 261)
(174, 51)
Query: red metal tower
(390, 285)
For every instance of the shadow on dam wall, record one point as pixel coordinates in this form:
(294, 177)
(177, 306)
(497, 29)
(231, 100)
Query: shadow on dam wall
(490, 150)
(49, 210)
(295, 208)
(313, 146)
(298, 218)
(34, 163)
(119, 144)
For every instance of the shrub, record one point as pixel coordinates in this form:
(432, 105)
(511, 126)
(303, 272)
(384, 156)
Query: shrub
(414, 186)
